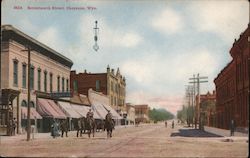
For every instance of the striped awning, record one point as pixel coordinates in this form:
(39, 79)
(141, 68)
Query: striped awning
(48, 108)
(69, 110)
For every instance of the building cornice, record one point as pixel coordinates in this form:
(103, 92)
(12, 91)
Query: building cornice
(8, 32)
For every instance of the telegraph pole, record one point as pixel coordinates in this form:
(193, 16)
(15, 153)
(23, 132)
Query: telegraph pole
(198, 80)
(28, 114)
(188, 96)
(194, 101)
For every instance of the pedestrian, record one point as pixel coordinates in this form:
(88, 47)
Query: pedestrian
(14, 126)
(232, 128)
(54, 129)
(166, 123)
(173, 124)
(64, 126)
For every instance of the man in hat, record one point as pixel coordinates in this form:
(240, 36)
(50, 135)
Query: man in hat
(108, 116)
(90, 114)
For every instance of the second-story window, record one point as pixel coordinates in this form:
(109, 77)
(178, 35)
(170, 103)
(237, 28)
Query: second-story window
(97, 85)
(15, 73)
(67, 85)
(75, 85)
(39, 79)
(63, 84)
(112, 89)
(32, 77)
(51, 82)
(111, 100)
(45, 81)
(24, 75)
(58, 83)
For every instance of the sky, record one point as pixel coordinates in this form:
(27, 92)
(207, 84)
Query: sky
(157, 44)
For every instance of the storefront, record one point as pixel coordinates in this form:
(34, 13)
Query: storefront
(50, 111)
(7, 111)
(71, 114)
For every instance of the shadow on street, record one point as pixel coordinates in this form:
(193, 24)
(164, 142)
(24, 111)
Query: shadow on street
(193, 133)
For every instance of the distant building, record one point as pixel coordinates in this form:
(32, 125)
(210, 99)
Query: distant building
(100, 105)
(232, 86)
(111, 84)
(207, 108)
(130, 109)
(49, 72)
(142, 113)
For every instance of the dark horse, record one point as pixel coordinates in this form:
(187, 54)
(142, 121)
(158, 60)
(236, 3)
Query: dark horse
(80, 125)
(99, 125)
(90, 126)
(109, 126)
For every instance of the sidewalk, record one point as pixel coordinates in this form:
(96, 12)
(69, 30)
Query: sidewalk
(223, 132)
(43, 135)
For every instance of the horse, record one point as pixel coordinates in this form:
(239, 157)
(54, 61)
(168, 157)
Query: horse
(90, 125)
(99, 125)
(109, 126)
(80, 126)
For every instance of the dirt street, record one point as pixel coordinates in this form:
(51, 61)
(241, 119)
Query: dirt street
(154, 140)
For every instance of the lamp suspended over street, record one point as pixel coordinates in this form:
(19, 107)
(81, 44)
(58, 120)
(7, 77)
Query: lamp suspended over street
(96, 30)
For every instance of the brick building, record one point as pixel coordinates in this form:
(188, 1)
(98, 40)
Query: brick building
(109, 83)
(130, 109)
(232, 85)
(207, 108)
(142, 113)
(49, 72)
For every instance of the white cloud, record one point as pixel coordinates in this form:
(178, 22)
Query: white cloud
(160, 68)
(225, 18)
(199, 60)
(165, 76)
(27, 25)
(108, 35)
(140, 69)
(51, 37)
(130, 39)
(168, 21)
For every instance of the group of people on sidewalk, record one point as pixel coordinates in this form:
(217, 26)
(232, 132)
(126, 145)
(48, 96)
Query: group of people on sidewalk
(13, 125)
(64, 127)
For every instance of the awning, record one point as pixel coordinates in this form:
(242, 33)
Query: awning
(100, 110)
(83, 110)
(69, 110)
(48, 108)
(33, 113)
(115, 115)
(100, 104)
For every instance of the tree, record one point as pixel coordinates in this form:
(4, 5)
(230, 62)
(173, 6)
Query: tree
(160, 114)
(207, 108)
(182, 114)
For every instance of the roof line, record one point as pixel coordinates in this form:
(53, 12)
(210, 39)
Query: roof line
(11, 28)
